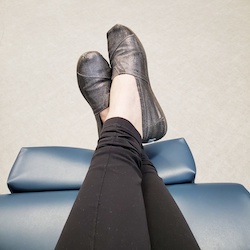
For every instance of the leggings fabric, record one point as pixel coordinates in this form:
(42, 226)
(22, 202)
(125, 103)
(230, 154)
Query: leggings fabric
(123, 203)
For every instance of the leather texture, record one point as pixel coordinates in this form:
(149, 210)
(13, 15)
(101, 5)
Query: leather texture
(64, 168)
(173, 160)
(127, 56)
(33, 221)
(218, 215)
(94, 81)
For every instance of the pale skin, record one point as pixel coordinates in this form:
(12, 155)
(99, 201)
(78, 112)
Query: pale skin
(124, 101)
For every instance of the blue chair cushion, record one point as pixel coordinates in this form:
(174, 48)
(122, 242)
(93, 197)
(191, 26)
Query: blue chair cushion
(218, 215)
(33, 220)
(64, 168)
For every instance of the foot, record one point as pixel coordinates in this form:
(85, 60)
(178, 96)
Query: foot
(127, 56)
(94, 80)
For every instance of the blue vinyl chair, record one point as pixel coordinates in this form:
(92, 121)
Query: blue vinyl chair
(44, 182)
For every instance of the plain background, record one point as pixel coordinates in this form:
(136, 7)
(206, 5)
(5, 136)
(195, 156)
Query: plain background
(199, 65)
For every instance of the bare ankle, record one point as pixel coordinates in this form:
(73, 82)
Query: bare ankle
(125, 100)
(104, 114)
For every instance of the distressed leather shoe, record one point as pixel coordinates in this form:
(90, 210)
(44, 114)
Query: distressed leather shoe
(127, 56)
(94, 81)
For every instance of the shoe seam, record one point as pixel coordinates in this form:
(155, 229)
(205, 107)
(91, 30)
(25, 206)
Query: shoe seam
(92, 76)
(111, 56)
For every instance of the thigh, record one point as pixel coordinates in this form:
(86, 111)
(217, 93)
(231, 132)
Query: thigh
(168, 228)
(109, 212)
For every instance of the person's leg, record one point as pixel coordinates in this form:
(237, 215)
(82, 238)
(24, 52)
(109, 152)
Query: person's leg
(109, 211)
(168, 228)
(165, 221)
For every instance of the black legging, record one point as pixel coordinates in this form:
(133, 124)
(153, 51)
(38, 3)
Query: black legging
(123, 203)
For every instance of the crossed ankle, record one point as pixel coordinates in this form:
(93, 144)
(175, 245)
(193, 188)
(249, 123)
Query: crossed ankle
(104, 114)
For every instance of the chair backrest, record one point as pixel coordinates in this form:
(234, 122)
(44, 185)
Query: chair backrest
(64, 168)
